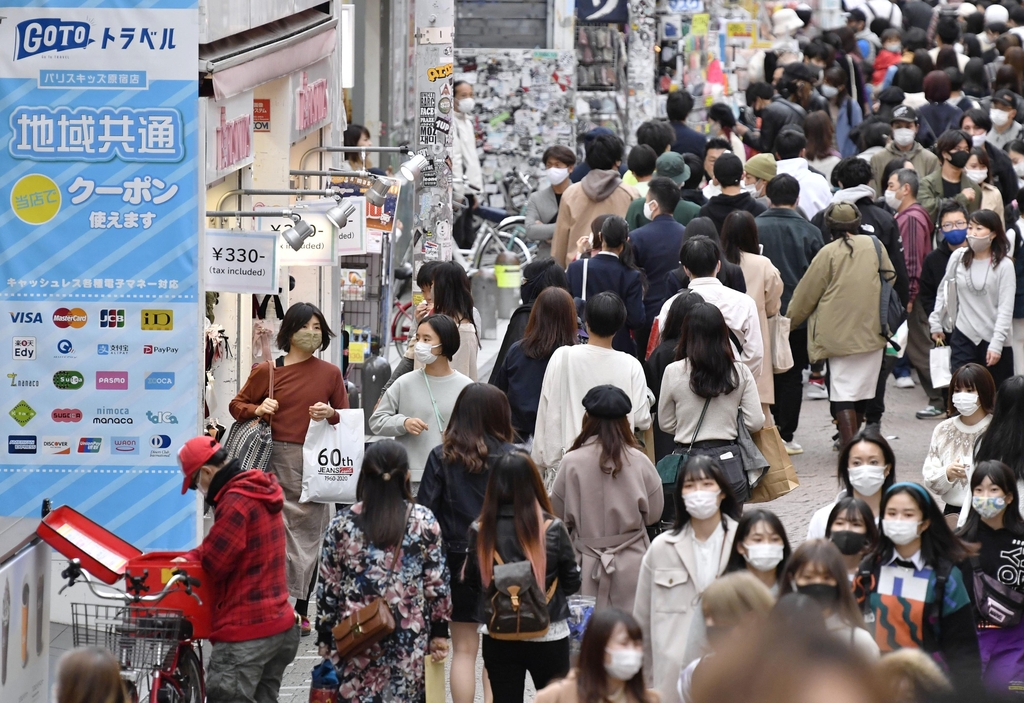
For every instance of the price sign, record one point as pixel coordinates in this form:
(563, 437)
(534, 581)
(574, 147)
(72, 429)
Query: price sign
(240, 262)
(317, 250)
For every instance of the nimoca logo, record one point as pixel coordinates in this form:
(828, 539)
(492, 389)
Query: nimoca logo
(75, 317)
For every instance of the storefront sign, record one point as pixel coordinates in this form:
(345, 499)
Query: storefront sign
(229, 135)
(313, 99)
(317, 250)
(380, 219)
(99, 149)
(261, 114)
(240, 262)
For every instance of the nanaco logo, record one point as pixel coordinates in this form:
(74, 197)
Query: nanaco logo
(23, 383)
(68, 380)
(75, 317)
(45, 34)
(66, 415)
(112, 416)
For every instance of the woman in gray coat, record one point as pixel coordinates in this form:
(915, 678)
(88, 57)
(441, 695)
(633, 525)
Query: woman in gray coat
(607, 491)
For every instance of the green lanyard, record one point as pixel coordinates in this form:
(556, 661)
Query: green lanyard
(437, 414)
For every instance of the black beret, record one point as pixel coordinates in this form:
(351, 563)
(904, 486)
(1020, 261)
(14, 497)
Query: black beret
(610, 402)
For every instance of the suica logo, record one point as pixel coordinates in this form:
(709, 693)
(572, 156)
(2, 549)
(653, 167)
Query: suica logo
(68, 380)
(159, 381)
(24, 348)
(27, 318)
(45, 34)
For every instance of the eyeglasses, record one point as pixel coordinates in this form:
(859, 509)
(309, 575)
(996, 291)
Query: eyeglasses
(950, 226)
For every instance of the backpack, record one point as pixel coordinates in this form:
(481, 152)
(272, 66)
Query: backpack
(516, 607)
(891, 312)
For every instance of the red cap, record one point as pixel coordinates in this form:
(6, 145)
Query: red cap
(193, 454)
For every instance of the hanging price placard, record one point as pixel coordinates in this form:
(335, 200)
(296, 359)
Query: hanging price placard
(240, 262)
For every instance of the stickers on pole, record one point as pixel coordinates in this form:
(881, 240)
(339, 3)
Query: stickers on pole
(240, 262)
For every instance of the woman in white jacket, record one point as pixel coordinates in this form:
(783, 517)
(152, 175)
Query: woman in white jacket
(678, 567)
(951, 453)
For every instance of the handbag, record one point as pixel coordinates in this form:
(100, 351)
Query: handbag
(781, 477)
(939, 359)
(668, 467)
(250, 441)
(996, 602)
(778, 333)
(374, 621)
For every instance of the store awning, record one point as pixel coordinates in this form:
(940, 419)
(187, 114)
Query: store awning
(243, 61)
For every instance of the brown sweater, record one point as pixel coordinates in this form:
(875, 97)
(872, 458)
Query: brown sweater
(296, 388)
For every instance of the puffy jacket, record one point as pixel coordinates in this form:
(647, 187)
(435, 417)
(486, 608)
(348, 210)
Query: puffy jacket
(561, 561)
(779, 113)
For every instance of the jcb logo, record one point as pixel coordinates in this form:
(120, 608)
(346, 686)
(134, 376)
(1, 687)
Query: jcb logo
(439, 72)
(158, 319)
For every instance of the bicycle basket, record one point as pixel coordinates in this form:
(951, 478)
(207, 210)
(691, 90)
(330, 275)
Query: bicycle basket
(141, 638)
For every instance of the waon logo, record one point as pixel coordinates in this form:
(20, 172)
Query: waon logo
(75, 317)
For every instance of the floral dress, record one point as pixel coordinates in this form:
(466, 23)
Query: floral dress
(352, 572)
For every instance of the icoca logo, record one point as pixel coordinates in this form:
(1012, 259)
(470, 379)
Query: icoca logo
(44, 34)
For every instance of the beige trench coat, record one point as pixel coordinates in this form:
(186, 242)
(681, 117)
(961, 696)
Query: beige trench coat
(606, 517)
(666, 601)
(764, 285)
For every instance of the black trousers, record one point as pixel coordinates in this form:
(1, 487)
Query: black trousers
(508, 661)
(463, 231)
(876, 406)
(789, 387)
(963, 351)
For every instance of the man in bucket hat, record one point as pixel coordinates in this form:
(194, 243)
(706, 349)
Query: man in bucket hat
(255, 632)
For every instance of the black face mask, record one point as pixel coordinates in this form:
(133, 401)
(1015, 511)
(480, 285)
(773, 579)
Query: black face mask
(849, 542)
(823, 594)
(758, 112)
(959, 159)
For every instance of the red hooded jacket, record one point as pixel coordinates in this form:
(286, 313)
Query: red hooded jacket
(244, 556)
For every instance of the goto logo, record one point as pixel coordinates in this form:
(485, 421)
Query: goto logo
(75, 317)
(35, 199)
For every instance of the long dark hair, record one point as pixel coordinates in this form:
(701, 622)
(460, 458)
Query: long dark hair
(697, 467)
(704, 343)
(821, 134)
(514, 481)
(591, 677)
(677, 313)
(1004, 440)
(739, 234)
(614, 435)
(748, 521)
(1000, 246)
(481, 412)
(872, 436)
(383, 489)
(937, 542)
(552, 324)
(826, 557)
(1001, 475)
(453, 294)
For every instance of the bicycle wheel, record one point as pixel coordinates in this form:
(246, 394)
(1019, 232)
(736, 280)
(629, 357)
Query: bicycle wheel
(402, 326)
(189, 674)
(518, 247)
(490, 246)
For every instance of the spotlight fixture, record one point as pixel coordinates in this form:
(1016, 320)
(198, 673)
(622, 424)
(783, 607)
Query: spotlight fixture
(339, 214)
(298, 232)
(413, 168)
(378, 193)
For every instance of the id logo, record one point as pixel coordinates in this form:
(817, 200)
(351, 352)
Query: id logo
(162, 320)
(124, 445)
(160, 381)
(56, 445)
(111, 318)
(159, 445)
(89, 445)
(74, 318)
(21, 444)
(24, 348)
(111, 380)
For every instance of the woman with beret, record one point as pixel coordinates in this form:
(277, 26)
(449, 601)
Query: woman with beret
(606, 492)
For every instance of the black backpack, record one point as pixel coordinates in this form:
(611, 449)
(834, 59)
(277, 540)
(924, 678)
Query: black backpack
(891, 312)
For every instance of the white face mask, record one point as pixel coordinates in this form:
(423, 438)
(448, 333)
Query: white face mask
(901, 532)
(998, 117)
(763, 557)
(978, 141)
(829, 91)
(556, 175)
(625, 663)
(1019, 168)
(894, 48)
(649, 210)
(701, 504)
(965, 403)
(904, 136)
(466, 105)
(892, 200)
(423, 353)
(867, 479)
(976, 174)
(752, 189)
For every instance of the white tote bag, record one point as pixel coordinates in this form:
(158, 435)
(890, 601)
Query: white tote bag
(938, 362)
(332, 457)
(778, 331)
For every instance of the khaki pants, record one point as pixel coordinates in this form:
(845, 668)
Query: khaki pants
(919, 345)
(250, 671)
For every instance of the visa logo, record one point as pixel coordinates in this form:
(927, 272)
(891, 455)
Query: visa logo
(45, 34)
(25, 318)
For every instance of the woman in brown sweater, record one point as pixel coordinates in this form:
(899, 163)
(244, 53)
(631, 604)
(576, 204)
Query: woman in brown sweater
(304, 387)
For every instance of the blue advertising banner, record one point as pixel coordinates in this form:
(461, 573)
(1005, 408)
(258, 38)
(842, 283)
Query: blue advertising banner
(99, 294)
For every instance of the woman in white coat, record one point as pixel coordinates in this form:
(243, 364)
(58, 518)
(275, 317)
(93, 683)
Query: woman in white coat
(678, 567)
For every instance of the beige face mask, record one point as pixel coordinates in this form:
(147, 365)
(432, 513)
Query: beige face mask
(307, 340)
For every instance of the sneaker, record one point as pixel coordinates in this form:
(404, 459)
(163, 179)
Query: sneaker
(792, 447)
(905, 382)
(931, 413)
(816, 389)
(306, 629)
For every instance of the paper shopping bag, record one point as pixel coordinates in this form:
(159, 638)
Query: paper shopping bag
(434, 680)
(332, 457)
(781, 477)
(938, 363)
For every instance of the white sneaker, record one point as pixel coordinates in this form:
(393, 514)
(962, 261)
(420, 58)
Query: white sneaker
(792, 447)
(816, 391)
(905, 382)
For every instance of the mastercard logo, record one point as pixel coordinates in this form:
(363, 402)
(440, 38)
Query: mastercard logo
(75, 317)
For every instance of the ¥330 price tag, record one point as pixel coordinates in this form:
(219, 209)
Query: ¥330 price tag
(240, 262)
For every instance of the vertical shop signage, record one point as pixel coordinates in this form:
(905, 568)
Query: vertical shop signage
(261, 114)
(99, 173)
(229, 135)
(312, 99)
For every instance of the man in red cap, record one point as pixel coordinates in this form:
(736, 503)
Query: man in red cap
(255, 631)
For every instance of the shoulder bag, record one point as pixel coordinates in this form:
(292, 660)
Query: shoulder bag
(891, 312)
(250, 441)
(996, 602)
(374, 621)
